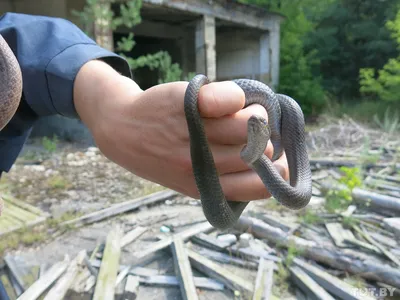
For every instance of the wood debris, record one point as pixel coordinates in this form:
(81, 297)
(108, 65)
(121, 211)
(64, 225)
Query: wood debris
(17, 214)
(344, 245)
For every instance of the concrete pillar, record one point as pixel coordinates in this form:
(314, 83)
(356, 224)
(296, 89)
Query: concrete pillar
(102, 29)
(274, 42)
(265, 59)
(205, 42)
(183, 45)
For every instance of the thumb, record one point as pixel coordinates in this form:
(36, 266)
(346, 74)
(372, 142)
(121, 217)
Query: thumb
(218, 99)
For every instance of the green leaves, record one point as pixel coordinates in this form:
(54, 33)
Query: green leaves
(296, 63)
(129, 16)
(384, 83)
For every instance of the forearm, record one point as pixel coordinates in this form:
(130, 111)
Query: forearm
(98, 88)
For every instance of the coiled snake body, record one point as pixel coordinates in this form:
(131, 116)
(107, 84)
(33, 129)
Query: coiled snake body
(285, 128)
(10, 87)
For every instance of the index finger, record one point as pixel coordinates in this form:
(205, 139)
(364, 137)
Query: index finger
(218, 99)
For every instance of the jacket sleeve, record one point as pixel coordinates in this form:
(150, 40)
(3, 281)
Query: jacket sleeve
(50, 52)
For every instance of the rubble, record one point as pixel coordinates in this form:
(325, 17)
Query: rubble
(344, 245)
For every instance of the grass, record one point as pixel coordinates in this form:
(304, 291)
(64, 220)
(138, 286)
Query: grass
(365, 111)
(34, 235)
(23, 236)
(309, 217)
(58, 182)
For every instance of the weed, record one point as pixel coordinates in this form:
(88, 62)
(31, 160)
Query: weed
(349, 222)
(292, 252)
(280, 280)
(50, 144)
(58, 182)
(338, 199)
(309, 217)
(390, 123)
(23, 236)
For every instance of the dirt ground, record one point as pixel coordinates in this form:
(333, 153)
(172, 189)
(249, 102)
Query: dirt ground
(75, 179)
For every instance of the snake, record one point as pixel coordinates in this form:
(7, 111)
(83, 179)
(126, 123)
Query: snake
(10, 87)
(285, 129)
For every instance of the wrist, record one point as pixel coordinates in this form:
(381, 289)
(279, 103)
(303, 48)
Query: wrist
(98, 90)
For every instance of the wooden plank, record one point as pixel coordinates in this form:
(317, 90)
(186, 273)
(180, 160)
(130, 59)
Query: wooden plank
(264, 280)
(377, 200)
(393, 224)
(88, 264)
(131, 287)
(253, 254)
(8, 286)
(389, 255)
(332, 284)
(339, 234)
(26, 225)
(120, 208)
(209, 242)
(20, 213)
(105, 285)
(308, 285)
(3, 291)
(167, 280)
(227, 259)
(132, 235)
(121, 275)
(44, 282)
(18, 272)
(145, 256)
(213, 270)
(24, 205)
(362, 244)
(345, 261)
(183, 269)
(60, 289)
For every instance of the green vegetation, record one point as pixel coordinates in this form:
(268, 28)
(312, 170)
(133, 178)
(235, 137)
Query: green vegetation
(340, 56)
(50, 145)
(129, 16)
(339, 199)
(308, 216)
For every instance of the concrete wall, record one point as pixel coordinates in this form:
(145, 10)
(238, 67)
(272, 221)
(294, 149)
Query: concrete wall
(54, 8)
(230, 53)
(237, 55)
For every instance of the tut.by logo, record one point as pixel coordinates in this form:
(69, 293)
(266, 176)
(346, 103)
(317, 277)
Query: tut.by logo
(377, 293)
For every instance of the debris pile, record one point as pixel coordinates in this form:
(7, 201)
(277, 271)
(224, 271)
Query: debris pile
(344, 245)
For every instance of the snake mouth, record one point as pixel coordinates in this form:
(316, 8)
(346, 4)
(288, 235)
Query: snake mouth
(10, 83)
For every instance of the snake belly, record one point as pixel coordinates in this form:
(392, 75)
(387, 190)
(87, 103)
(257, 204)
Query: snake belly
(286, 132)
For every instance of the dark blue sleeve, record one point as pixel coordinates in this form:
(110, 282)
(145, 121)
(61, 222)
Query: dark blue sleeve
(50, 52)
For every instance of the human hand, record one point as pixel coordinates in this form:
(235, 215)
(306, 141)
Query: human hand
(146, 132)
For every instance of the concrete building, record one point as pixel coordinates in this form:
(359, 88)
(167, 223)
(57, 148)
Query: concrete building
(222, 39)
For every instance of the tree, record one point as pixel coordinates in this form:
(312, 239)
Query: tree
(386, 85)
(350, 35)
(296, 77)
(129, 16)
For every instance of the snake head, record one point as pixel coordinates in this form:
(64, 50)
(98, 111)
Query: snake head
(258, 135)
(258, 127)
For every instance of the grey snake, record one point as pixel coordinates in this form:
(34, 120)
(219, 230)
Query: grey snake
(285, 129)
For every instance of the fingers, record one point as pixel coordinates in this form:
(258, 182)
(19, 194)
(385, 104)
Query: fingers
(219, 99)
(227, 158)
(232, 130)
(247, 185)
